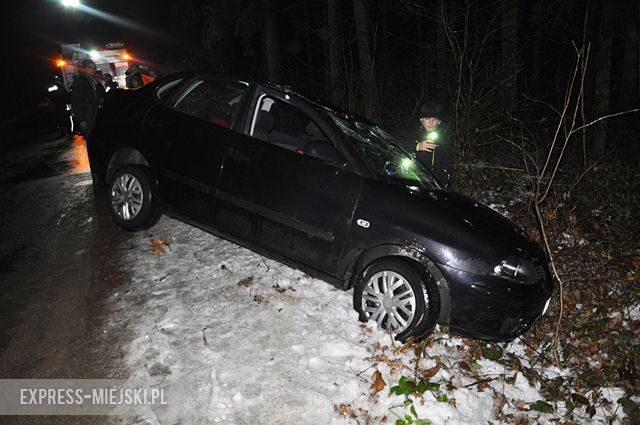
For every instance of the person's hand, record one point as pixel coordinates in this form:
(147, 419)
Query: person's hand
(426, 146)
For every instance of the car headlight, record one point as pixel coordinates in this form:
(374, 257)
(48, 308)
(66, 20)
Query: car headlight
(517, 269)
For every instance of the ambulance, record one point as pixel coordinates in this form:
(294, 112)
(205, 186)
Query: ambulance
(111, 59)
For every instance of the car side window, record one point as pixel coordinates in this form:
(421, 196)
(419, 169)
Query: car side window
(212, 100)
(165, 91)
(279, 123)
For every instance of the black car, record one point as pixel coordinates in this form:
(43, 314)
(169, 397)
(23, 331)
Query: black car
(323, 191)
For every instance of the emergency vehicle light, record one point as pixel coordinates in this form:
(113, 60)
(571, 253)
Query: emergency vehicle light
(60, 63)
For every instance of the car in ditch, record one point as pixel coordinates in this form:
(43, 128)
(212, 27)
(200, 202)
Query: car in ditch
(323, 191)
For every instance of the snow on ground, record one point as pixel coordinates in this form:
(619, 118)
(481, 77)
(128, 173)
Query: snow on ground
(634, 312)
(236, 338)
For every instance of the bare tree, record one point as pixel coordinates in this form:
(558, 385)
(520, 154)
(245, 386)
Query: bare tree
(510, 57)
(628, 94)
(367, 86)
(272, 41)
(602, 65)
(333, 52)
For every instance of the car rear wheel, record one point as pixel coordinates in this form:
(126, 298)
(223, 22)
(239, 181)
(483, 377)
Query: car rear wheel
(399, 298)
(132, 199)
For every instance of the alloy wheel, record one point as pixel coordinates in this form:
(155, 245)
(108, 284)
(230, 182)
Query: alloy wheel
(126, 196)
(389, 299)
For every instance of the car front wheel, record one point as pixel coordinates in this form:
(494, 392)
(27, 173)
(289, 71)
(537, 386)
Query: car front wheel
(132, 199)
(398, 298)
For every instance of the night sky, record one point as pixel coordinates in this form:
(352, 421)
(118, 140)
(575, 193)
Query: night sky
(32, 31)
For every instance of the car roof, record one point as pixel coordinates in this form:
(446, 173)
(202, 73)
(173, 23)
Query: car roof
(321, 103)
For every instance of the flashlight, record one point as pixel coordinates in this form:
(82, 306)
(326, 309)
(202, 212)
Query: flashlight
(405, 164)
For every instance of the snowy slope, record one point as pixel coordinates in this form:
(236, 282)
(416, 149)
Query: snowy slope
(236, 338)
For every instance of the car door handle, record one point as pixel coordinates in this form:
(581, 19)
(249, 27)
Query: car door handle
(236, 155)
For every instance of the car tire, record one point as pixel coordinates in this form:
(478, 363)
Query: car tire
(401, 299)
(132, 198)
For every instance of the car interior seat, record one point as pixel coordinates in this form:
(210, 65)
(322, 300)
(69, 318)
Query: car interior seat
(263, 127)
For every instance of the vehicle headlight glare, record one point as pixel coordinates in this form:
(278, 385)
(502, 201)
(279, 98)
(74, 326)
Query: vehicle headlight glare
(516, 269)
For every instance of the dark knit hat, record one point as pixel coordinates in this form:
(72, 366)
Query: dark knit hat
(87, 62)
(431, 109)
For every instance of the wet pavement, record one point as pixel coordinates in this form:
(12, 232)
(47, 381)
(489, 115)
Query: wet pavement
(56, 269)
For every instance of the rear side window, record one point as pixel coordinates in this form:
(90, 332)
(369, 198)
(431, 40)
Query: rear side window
(212, 100)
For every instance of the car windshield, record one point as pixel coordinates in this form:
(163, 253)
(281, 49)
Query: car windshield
(382, 155)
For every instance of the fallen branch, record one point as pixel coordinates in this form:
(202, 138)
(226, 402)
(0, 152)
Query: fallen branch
(482, 381)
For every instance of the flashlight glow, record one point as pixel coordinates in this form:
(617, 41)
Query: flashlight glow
(94, 54)
(432, 135)
(405, 164)
(71, 3)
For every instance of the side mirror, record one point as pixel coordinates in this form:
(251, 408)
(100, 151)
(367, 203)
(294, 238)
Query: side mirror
(324, 151)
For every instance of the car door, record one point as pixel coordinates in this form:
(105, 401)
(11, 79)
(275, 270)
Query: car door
(273, 194)
(186, 135)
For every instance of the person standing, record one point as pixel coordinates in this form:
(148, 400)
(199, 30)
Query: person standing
(58, 96)
(109, 84)
(133, 77)
(430, 142)
(85, 98)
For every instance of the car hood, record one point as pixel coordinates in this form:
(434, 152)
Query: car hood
(472, 231)
(456, 230)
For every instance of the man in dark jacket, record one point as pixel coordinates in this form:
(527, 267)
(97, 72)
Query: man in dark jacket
(430, 142)
(58, 96)
(85, 97)
(133, 77)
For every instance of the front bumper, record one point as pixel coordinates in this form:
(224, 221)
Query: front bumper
(492, 308)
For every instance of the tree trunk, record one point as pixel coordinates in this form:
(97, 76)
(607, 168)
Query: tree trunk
(272, 41)
(510, 59)
(333, 54)
(628, 97)
(442, 56)
(602, 66)
(368, 98)
(308, 43)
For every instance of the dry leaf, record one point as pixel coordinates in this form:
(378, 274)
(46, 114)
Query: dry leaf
(344, 409)
(378, 383)
(464, 366)
(519, 404)
(431, 372)
(246, 282)
(158, 246)
(260, 299)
